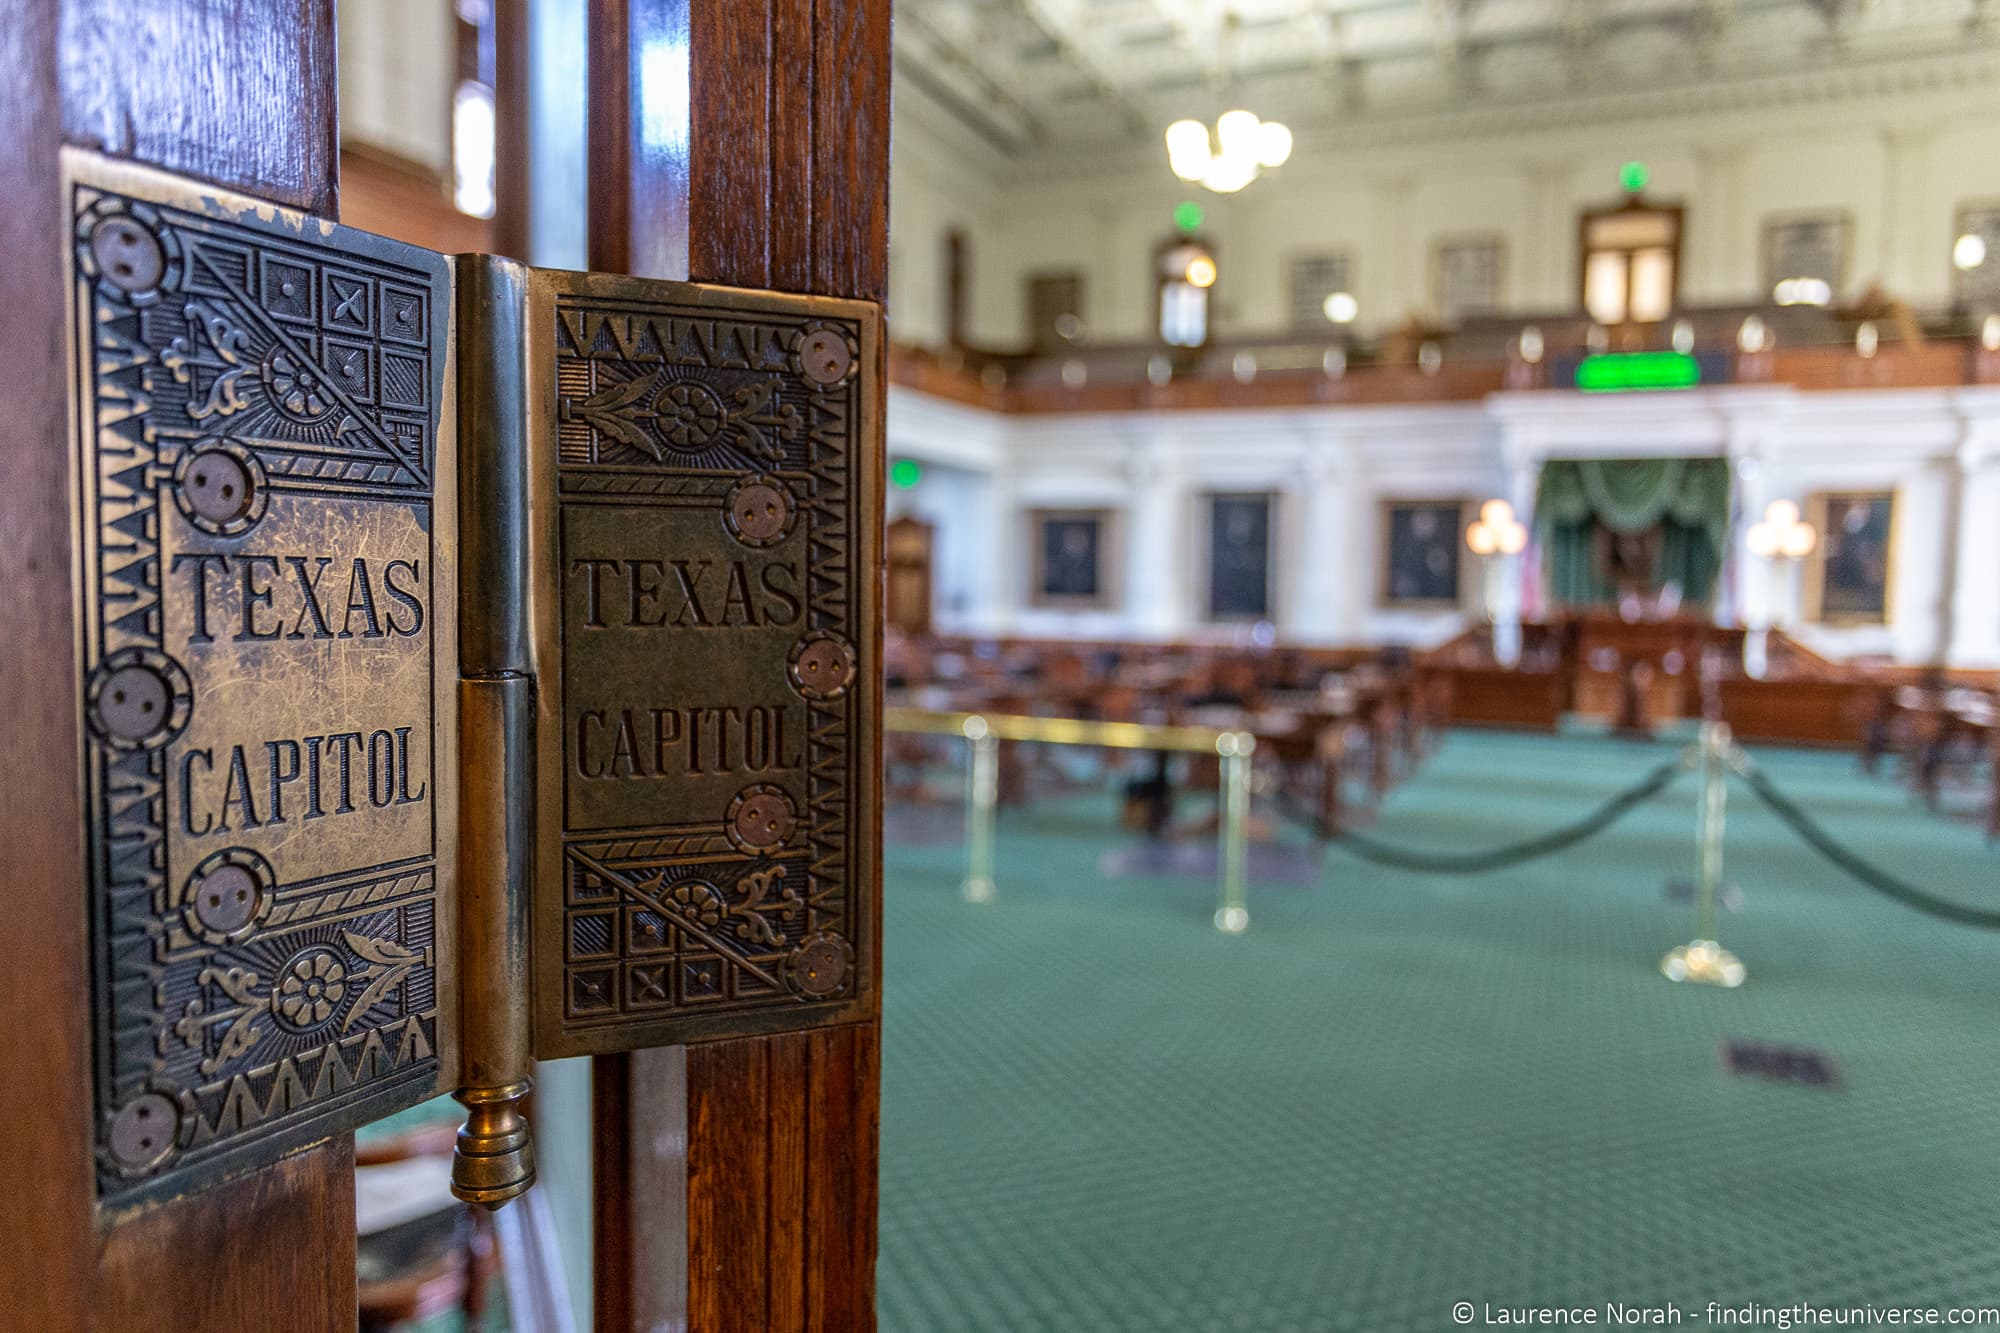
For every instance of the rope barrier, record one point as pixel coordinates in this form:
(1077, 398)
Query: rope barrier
(1494, 858)
(1869, 874)
(1235, 748)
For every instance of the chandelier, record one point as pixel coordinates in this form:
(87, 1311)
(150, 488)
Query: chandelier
(1240, 147)
(1238, 150)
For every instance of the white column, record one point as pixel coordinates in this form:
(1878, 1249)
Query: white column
(1715, 249)
(1001, 581)
(1976, 608)
(1524, 473)
(1747, 582)
(1753, 603)
(1524, 477)
(1754, 442)
(1912, 254)
(1920, 601)
(1948, 540)
(1319, 603)
(1391, 274)
(1359, 550)
(1159, 558)
(1545, 281)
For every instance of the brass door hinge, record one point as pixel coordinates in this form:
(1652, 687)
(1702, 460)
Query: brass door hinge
(476, 664)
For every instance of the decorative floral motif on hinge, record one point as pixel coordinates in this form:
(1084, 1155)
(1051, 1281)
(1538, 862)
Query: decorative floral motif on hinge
(753, 923)
(696, 899)
(240, 985)
(392, 965)
(754, 415)
(296, 387)
(225, 344)
(314, 984)
(308, 991)
(687, 416)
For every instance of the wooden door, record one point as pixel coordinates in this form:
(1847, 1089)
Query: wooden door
(909, 541)
(771, 172)
(738, 141)
(240, 95)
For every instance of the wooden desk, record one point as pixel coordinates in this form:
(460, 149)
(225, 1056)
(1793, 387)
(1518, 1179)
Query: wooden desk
(1796, 711)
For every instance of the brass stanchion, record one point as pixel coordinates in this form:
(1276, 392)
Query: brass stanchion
(1232, 917)
(982, 793)
(1702, 959)
(985, 732)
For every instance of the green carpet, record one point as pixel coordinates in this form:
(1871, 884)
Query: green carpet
(1399, 1091)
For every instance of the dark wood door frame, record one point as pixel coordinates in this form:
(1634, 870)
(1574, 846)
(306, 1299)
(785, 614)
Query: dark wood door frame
(736, 1180)
(766, 1146)
(242, 95)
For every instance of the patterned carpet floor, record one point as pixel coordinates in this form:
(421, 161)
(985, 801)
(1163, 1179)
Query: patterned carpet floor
(1399, 1091)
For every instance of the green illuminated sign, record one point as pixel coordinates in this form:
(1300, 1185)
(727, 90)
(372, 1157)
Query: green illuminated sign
(1633, 177)
(905, 473)
(1188, 216)
(1618, 371)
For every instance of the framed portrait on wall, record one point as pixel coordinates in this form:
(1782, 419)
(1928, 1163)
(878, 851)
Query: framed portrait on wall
(1422, 555)
(1978, 285)
(1309, 280)
(1848, 574)
(1809, 246)
(1239, 557)
(1466, 274)
(1071, 559)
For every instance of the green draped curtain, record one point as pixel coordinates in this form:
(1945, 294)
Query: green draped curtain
(1582, 502)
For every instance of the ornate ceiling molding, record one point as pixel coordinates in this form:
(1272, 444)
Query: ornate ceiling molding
(1056, 91)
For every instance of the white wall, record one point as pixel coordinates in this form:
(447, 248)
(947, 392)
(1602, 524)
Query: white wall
(1898, 163)
(934, 186)
(397, 63)
(1331, 467)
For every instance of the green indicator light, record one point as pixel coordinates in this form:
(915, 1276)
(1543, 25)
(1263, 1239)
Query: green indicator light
(1188, 216)
(1633, 176)
(1618, 371)
(905, 473)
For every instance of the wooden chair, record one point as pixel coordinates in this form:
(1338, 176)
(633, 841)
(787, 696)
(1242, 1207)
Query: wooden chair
(436, 1260)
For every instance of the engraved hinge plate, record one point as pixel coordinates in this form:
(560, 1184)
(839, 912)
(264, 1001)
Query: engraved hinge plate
(705, 466)
(265, 498)
(274, 542)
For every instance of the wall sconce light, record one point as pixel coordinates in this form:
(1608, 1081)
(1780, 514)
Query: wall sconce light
(1497, 532)
(1803, 291)
(1782, 534)
(1782, 539)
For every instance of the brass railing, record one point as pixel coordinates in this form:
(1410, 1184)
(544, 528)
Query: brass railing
(983, 733)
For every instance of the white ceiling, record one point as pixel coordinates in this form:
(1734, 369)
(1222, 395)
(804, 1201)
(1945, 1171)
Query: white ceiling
(1048, 82)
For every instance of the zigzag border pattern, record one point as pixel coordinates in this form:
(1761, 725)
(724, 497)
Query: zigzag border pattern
(138, 408)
